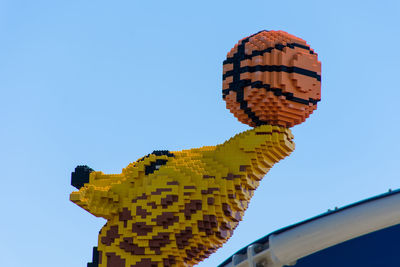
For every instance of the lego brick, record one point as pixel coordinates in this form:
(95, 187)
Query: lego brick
(184, 209)
(271, 77)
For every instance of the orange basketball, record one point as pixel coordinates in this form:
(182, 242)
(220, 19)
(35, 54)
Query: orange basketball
(271, 77)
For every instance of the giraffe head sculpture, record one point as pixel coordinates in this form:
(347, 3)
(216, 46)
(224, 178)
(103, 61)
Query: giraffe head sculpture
(176, 208)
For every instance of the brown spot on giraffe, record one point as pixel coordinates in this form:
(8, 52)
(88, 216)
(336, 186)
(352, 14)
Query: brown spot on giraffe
(111, 235)
(231, 196)
(128, 246)
(224, 232)
(243, 168)
(168, 200)
(159, 241)
(170, 261)
(183, 237)
(142, 212)
(193, 253)
(114, 260)
(166, 219)
(152, 204)
(125, 215)
(192, 207)
(208, 224)
(209, 191)
(209, 251)
(141, 228)
(227, 209)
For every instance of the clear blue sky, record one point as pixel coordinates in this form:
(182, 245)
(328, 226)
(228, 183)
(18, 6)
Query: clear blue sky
(103, 83)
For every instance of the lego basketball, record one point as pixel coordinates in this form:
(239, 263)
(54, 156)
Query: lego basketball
(272, 77)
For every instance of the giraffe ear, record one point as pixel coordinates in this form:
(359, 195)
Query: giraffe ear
(80, 176)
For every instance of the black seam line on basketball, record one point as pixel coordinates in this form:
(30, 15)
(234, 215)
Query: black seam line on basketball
(276, 91)
(269, 49)
(275, 68)
(237, 58)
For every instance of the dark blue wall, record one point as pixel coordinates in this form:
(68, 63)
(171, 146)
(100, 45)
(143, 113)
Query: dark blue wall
(377, 249)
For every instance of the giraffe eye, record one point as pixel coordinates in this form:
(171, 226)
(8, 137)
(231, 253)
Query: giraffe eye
(154, 166)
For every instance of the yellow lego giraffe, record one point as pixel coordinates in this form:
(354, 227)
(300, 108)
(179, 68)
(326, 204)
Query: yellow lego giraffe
(175, 208)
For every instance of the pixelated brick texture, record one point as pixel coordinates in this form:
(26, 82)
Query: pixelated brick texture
(273, 78)
(176, 208)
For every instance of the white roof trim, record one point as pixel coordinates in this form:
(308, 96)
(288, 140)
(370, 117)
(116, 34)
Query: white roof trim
(300, 241)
